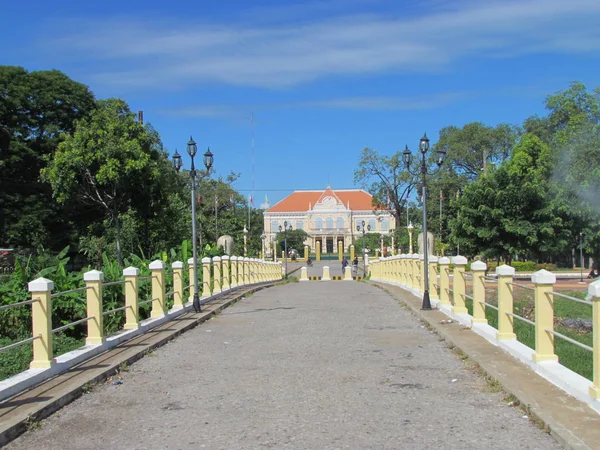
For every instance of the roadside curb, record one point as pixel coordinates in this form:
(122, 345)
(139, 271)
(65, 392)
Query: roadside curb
(543, 401)
(70, 385)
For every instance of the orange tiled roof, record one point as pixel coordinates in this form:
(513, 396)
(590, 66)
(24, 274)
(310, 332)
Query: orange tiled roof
(300, 201)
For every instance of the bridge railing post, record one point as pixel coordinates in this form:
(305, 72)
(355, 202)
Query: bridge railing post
(132, 312)
(459, 285)
(594, 292)
(159, 304)
(478, 268)
(191, 280)
(505, 302)
(225, 285)
(403, 277)
(415, 271)
(177, 267)
(433, 277)
(444, 263)
(216, 274)
(246, 271)
(41, 317)
(93, 282)
(234, 272)
(206, 287)
(543, 282)
(422, 273)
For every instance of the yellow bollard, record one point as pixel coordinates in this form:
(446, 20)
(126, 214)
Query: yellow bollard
(340, 251)
(505, 302)
(225, 285)
(433, 277)
(93, 282)
(304, 274)
(544, 316)
(444, 281)
(318, 251)
(132, 312)
(352, 252)
(206, 292)
(347, 274)
(41, 316)
(459, 285)
(594, 292)
(159, 305)
(478, 268)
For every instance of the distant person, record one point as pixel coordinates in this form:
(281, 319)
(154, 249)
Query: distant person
(344, 263)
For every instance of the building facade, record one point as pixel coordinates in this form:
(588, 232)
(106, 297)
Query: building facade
(328, 217)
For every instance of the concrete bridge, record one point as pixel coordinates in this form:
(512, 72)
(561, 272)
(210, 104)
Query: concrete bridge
(321, 365)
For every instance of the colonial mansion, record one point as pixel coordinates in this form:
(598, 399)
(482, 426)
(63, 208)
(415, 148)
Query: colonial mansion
(328, 217)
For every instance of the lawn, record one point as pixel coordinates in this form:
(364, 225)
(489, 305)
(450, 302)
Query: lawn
(571, 356)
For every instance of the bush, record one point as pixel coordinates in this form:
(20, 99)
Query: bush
(546, 266)
(524, 266)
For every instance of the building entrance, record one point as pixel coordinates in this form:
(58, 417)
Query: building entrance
(329, 245)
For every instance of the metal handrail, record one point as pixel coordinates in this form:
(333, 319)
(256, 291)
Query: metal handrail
(70, 291)
(490, 305)
(521, 286)
(575, 299)
(170, 294)
(112, 283)
(489, 278)
(149, 277)
(145, 302)
(121, 308)
(26, 302)
(72, 324)
(572, 341)
(468, 296)
(18, 344)
(530, 322)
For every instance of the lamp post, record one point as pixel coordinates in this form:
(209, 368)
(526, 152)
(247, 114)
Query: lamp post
(392, 236)
(178, 164)
(410, 231)
(358, 228)
(424, 147)
(285, 230)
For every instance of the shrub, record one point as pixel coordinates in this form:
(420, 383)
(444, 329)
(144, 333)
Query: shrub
(524, 266)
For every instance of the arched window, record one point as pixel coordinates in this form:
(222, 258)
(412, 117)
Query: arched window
(299, 224)
(318, 223)
(373, 224)
(274, 226)
(329, 223)
(340, 223)
(385, 224)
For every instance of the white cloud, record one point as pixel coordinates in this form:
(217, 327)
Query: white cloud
(176, 53)
(391, 103)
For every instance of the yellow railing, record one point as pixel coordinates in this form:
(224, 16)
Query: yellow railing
(448, 290)
(228, 273)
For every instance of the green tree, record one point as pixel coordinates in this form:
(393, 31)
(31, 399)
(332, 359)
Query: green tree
(109, 160)
(37, 111)
(295, 239)
(385, 177)
(510, 212)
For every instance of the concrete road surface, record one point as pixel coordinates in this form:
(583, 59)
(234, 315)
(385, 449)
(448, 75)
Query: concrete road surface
(315, 365)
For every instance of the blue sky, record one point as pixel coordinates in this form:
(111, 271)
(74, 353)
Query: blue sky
(323, 79)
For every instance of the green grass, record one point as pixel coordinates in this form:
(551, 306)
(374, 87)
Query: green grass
(575, 358)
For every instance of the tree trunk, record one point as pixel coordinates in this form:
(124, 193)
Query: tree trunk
(118, 228)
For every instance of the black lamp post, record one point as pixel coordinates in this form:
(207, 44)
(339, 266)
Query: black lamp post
(178, 164)
(285, 230)
(358, 228)
(424, 147)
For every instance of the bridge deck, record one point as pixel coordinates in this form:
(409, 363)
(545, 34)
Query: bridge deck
(307, 365)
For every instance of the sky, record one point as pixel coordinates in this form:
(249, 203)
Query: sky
(322, 79)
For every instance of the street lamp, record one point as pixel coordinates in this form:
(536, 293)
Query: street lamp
(285, 230)
(178, 164)
(410, 229)
(441, 156)
(245, 241)
(358, 228)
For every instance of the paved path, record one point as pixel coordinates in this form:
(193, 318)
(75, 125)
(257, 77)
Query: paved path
(315, 365)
